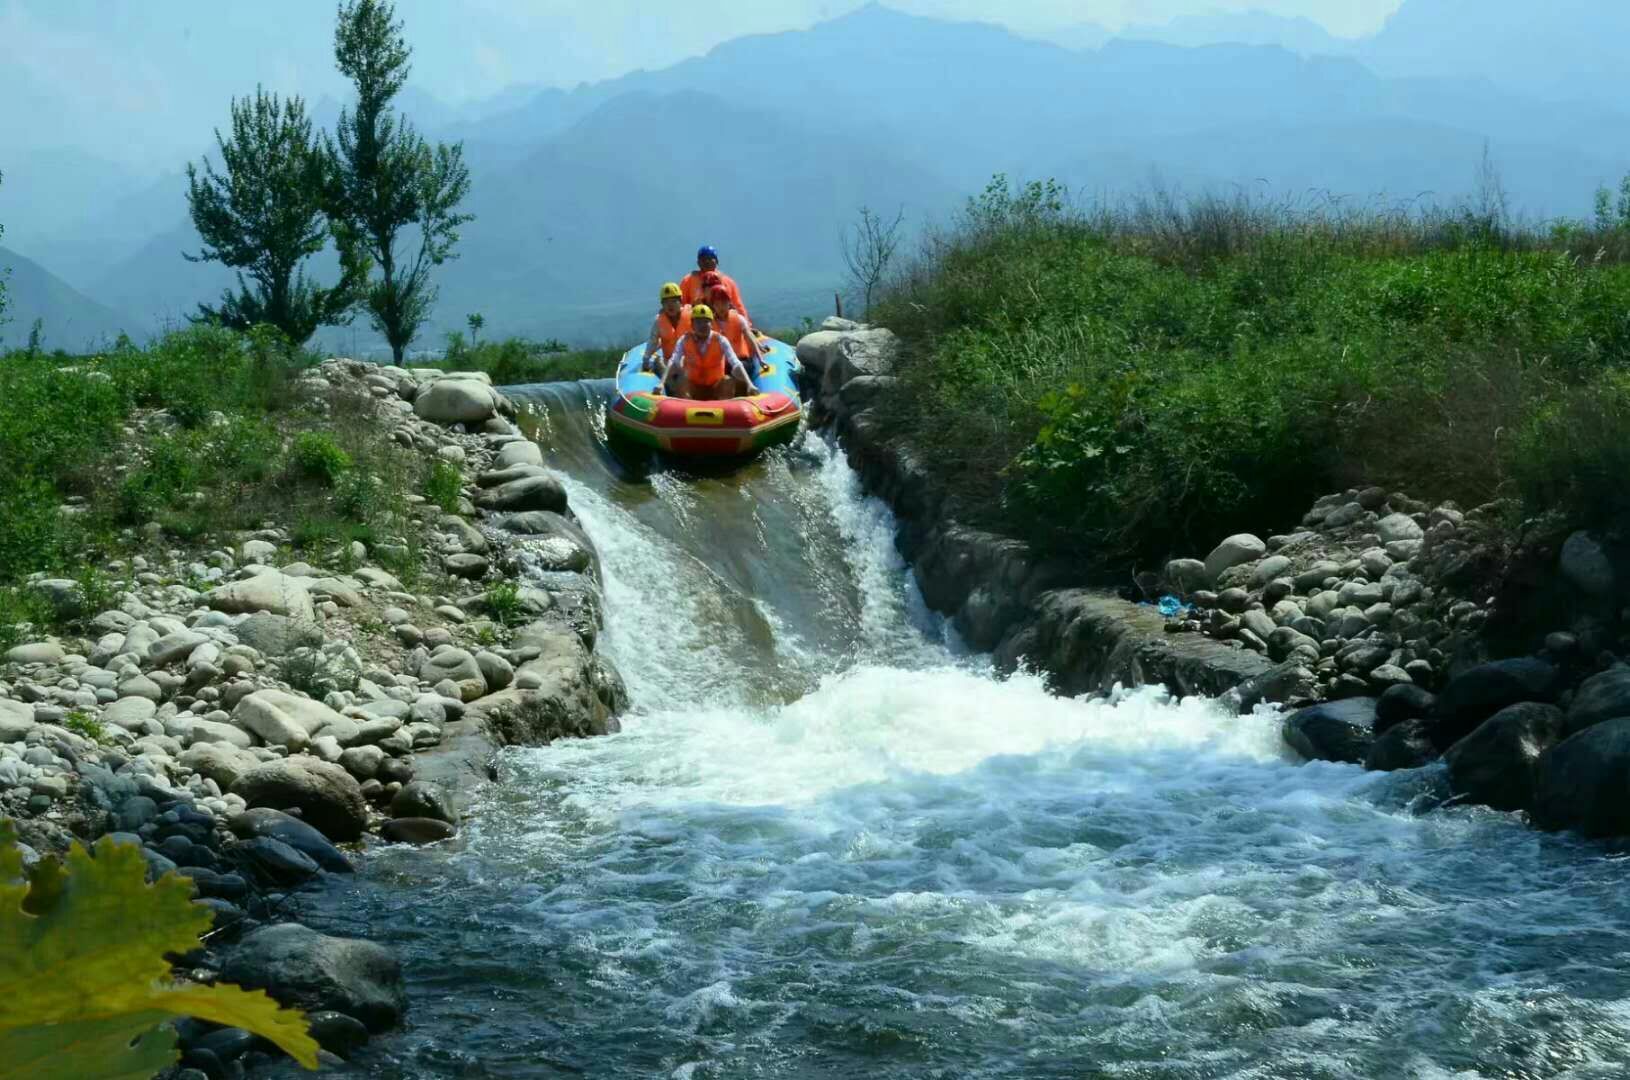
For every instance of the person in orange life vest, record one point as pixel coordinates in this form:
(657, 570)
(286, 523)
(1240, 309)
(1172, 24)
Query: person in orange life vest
(696, 286)
(734, 329)
(671, 324)
(704, 365)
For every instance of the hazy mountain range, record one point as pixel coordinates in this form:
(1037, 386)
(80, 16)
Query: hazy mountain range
(586, 199)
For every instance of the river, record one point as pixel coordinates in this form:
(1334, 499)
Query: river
(829, 843)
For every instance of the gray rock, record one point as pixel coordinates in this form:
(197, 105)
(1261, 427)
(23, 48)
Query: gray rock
(519, 452)
(257, 551)
(285, 719)
(1322, 604)
(1582, 780)
(466, 565)
(1386, 676)
(219, 762)
(456, 401)
(337, 1033)
(1314, 576)
(421, 799)
(141, 686)
(1344, 515)
(1586, 566)
(304, 969)
(172, 647)
(495, 670)
(460, 668)
(1234, 551)
(1603, 696)
(270, 590)
(1404, 745)
(38, 652)
(416, 830)
(1496, 764)
(466, 536)
(1479, 693)
(1187, 575)
(527, 493)
(362, 762)
(130, 713)
(1233, 600)
(1333, 731)
(1402, 702)
(1395, 527)
(325, 794)
(263, 821)
(1268, 569)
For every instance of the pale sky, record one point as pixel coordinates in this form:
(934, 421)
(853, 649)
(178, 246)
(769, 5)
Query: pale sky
(156, 71)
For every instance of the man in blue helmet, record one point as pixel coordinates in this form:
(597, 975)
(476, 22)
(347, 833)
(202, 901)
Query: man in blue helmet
(697, 286)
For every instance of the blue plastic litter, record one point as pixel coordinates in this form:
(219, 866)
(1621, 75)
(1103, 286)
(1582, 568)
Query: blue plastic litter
(1171, 607)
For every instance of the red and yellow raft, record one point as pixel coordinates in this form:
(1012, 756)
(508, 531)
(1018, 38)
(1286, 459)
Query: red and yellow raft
(640, 415)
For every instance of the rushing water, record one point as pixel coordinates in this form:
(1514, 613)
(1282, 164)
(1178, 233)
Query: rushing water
(828, 843)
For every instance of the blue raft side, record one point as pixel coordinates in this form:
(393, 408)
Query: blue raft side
(780, 374)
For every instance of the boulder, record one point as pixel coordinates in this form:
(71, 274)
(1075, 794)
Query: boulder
(1396, 527)
(289, 720)
(277, 635)
(495, 670)
(1586, 566)
(272, 861)
(1495, 765)
(520, 452)
(1333, 731)
(16, 720)
(1402, 702)
(1234, 551)
(38, 652)
(1480, 692)
(527, 493)
(304, 969)
(466, 565)
(1603, 696)
(325, 794)
(362, 762)
(220, 762)
(1582, 781)
(459, 666)
(421, 799)
(456, 401)
(1187, 576)
(270, 590)
(172, 647)
(264, 821)
(1269, 568)
(1407, 744)
(130, 713)
(555, 542)
(416, 830)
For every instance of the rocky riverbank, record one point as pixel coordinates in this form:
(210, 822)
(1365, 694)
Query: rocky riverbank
(255, 719)
(1395, 632)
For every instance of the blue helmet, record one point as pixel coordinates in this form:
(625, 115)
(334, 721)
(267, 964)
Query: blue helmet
(706, 251)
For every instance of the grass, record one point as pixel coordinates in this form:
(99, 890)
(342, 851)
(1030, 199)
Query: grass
(444, 485)
(515, 361)
(201, 435)
(1122, 385)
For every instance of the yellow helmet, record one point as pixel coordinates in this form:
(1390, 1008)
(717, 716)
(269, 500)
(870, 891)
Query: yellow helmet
(700, 311)
(670, 291)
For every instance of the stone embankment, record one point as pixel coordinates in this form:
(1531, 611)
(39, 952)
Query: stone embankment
(1374, 622)
(250, 719)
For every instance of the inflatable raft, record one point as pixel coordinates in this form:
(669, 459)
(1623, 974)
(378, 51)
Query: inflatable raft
(639, 415)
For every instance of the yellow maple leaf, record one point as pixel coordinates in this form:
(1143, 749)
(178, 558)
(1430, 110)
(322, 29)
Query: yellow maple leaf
(85, 989)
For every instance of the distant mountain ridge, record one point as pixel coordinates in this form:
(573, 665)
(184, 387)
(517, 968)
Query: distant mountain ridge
(585, 199)
(68, 319)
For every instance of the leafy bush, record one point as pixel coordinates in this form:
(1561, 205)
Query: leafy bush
(84, 970)
(84, 724)
(443, 485)
(316, 456)
(516, 360)
(1123, 385)
(1573, 454)
(503, 603)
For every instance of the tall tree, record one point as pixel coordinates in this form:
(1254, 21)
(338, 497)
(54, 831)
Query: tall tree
(385, 178)
(263, 216)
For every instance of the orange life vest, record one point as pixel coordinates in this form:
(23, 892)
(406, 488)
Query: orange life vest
(704, 366)
(670, 330)
(738, 333)
(690, 288)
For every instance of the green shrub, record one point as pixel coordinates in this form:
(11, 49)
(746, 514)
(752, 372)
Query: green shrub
(1573, 454)
(84, 724)
(316, 456)
(1122, 386)
(515, 360)
(503, 602)
(443, 485)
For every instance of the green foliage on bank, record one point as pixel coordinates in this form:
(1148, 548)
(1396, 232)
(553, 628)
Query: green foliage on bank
(1128, 385)
(516, 361)
(203, 433)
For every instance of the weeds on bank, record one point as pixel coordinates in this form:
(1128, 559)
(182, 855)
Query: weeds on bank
(515, 361)
(1123, 385)
(444, 485)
